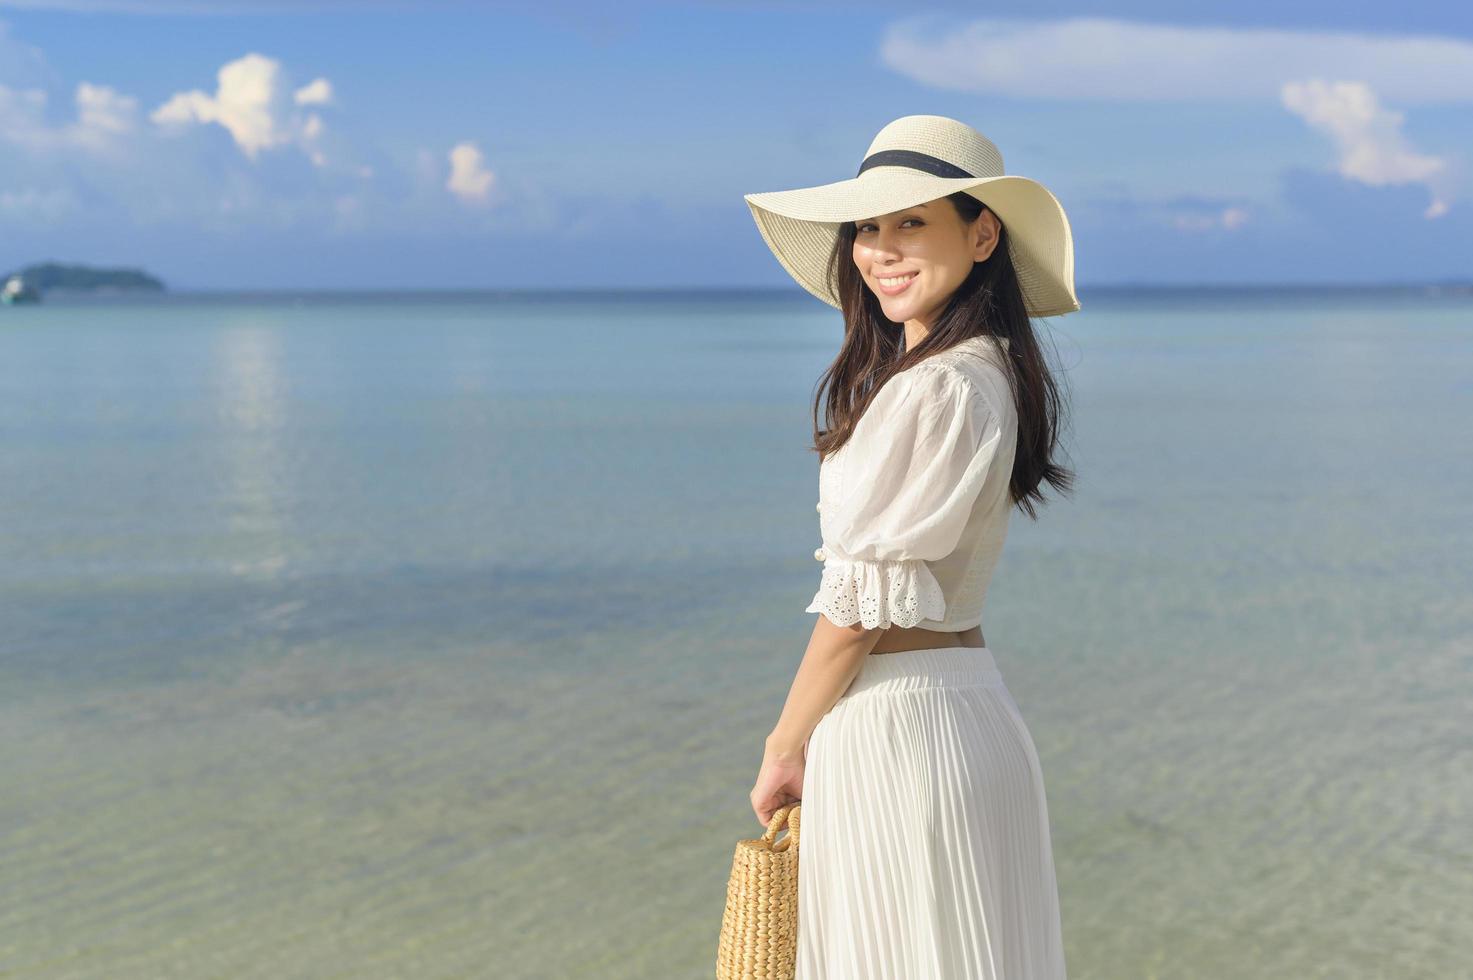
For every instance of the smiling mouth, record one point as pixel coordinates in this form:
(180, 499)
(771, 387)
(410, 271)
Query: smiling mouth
(891, 285)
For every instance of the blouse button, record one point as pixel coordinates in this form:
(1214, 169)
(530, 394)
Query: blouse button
(818, 506)
(819, 554)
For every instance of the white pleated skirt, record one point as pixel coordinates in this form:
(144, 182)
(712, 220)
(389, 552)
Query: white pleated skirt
(925, 851)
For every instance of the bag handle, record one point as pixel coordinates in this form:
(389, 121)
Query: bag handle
(788, 814)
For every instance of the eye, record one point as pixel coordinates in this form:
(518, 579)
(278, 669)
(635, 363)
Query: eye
(867, 224)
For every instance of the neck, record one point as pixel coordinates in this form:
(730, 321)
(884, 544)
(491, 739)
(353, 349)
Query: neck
(915, 332)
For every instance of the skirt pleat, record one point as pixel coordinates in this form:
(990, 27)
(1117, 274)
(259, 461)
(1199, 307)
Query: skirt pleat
(925, 850)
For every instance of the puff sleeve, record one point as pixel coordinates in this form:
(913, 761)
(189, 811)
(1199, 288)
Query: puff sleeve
(911, 472)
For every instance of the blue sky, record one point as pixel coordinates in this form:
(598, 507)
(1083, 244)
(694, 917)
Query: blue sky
(438, 144)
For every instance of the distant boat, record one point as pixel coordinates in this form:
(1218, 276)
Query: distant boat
(17, 290)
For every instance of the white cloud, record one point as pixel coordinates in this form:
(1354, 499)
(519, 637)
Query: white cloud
(251, 102)
(102, 110)
(1369, 139)
(316, 92)
(1104, 58)
(469, 179)
(1115, 203)
(1228, 219)
(104, 115)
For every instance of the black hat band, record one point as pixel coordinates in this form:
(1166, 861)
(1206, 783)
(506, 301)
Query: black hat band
(915, 160)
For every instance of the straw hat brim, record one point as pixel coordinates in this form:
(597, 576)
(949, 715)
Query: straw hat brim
(800, 226)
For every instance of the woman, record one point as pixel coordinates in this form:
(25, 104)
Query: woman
(925, 837)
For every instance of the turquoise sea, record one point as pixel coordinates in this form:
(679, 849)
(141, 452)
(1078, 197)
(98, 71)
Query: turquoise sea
(436, 635)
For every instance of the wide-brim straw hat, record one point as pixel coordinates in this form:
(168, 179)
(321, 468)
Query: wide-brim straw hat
(913, 160)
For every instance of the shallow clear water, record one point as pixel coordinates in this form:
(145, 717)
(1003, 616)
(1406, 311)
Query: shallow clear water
(437, 636)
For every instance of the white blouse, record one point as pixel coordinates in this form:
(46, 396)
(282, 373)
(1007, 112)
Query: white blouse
(914, 507)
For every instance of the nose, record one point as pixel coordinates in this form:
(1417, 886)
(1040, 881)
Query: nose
(882, 246)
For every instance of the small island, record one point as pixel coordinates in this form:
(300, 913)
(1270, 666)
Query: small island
(27, 285)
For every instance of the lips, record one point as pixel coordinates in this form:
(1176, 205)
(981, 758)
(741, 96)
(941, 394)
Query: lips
(897, 289)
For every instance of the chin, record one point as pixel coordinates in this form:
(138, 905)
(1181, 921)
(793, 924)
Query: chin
(899, 312)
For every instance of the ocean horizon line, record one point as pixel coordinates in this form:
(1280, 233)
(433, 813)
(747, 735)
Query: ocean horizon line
(1156, 295)
(1121, 285)
(1455, 286)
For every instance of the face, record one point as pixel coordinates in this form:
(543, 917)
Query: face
(929, 249)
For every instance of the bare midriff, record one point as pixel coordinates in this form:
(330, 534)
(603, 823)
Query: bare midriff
(898, 639)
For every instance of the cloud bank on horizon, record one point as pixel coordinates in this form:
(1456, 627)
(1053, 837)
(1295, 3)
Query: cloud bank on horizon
(262, 147)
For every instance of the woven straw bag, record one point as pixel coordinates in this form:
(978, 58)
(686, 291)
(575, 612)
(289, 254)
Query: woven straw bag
(759, 931)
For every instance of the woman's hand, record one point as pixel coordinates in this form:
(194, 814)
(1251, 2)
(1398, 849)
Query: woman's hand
(779, 782)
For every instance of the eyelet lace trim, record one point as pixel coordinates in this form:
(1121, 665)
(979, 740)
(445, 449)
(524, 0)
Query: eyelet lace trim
(878, 593)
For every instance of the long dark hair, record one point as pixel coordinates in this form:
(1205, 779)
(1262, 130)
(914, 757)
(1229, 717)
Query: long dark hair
(989, 301)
